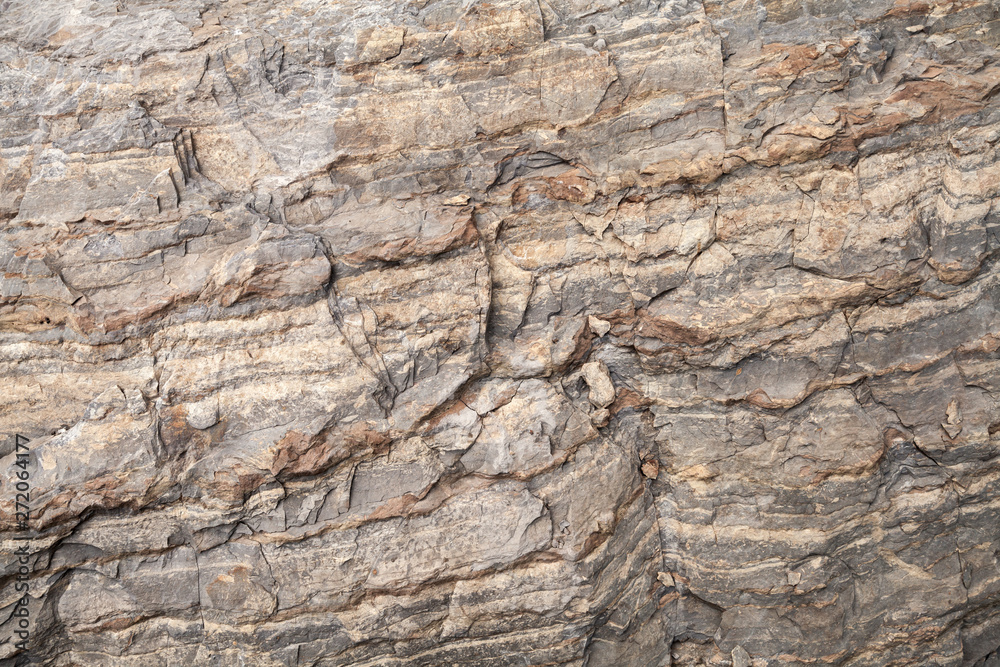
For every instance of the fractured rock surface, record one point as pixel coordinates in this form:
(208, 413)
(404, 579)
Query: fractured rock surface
(523, 332)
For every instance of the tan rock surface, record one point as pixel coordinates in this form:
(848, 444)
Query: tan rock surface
(576, 332)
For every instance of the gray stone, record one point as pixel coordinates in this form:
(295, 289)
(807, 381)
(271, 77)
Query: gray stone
(589, 332)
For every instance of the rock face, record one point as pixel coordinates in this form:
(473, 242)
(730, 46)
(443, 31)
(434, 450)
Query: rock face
(522, 332)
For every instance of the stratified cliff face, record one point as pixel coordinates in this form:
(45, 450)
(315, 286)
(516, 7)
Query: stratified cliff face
(555, 332)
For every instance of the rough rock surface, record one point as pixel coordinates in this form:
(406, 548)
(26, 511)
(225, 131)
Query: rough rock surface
(521, 332)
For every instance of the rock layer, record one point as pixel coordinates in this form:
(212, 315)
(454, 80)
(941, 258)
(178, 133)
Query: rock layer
(576, 332)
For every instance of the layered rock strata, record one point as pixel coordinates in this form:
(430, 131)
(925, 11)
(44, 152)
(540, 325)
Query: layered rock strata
(524, 332)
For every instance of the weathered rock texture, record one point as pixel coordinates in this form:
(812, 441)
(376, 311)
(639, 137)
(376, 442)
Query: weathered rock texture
(556, 332)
